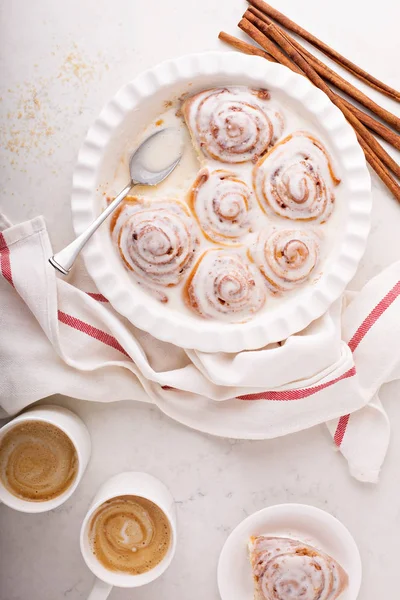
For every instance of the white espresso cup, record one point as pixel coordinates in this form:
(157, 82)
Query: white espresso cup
(127, 484)
(77, 432)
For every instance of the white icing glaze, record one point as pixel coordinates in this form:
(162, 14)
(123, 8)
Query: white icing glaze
(161, 151)
(286, 569)
(157, 240)
(285, 257)
(234, 124)
(223, 205)
(180, 182)
(223, 285)
(295, 179)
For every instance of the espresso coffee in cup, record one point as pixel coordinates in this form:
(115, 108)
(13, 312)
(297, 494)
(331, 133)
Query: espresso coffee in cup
(38, 461)
(129, 534)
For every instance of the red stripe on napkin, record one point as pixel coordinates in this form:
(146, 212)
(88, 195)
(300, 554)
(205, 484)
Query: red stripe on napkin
(361, 332)
(298, 394)
(98, 297)
(93, 332)
(341, 430)
(5, 264)
(374, 316)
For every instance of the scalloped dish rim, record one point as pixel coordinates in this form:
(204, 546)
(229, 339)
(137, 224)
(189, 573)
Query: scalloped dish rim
(212, 335)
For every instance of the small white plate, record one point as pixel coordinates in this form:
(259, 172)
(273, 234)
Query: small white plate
(297, 521)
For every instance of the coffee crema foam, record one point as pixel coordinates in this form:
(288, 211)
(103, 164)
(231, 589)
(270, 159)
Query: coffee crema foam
(129, 534)
(38, 461)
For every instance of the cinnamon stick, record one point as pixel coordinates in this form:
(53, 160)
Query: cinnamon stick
(384, 132)
(366, 138)
(268, 45)
(382, 172)
(261, 21)
(333, 54)
(244, 46)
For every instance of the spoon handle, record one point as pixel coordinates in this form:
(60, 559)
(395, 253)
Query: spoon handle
(64, 260)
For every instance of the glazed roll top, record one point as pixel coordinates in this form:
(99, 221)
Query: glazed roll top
(223, 205)
(224, 285)
(295, 179)
(286, 569)
(157, 240)
(234, 124)
(286, 257)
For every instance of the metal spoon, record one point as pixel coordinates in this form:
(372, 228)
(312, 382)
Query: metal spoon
(140, 175)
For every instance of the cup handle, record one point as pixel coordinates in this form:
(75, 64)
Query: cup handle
(100, 590)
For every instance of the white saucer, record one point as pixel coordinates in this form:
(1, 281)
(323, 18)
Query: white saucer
(298, 521)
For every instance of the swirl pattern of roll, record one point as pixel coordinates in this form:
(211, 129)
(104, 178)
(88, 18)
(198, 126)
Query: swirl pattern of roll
(286, 569)
(225, 286)
(295, 179)
(233, 124)
(223, 206)
(285, 257)
(156, 240)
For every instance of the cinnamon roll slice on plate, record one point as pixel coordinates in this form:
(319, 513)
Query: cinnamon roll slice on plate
(232, 124)
(287, 569)
(297, 552)
(224, 285)
(296, 179)
(156, 240)
(286, 257)
(223, 205)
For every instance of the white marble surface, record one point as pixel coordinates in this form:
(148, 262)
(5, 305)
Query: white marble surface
(74, 56)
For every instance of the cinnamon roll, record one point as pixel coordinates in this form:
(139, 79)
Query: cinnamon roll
(222, 204)
(156, 240)
(223, 285)
(232, 125)
(286, 257)
(286, 569)
(295, 179)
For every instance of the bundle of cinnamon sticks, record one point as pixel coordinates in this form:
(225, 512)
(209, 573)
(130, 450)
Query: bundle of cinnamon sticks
(269, 29)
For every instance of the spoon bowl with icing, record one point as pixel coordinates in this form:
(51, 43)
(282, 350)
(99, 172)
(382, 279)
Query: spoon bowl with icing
(150, 164)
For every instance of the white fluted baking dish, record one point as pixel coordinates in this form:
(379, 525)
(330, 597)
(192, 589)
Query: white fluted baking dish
(140, 101)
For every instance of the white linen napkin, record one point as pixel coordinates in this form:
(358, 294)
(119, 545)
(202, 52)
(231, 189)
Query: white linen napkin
(57, 338)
